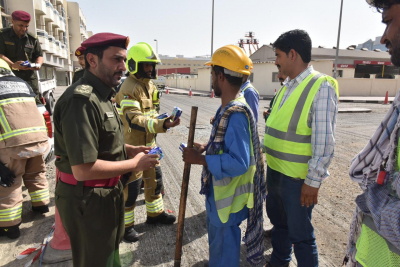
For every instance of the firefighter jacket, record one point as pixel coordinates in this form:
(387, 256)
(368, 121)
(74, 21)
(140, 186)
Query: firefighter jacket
(21, 123)
(138, 112)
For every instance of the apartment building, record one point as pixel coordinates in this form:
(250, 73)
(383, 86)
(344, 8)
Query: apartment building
(60, 27)
(181, 64)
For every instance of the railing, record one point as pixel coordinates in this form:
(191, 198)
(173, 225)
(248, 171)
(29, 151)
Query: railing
(42, 33)
(52, 39)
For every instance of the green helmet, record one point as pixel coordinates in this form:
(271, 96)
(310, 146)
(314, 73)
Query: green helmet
(141, 53)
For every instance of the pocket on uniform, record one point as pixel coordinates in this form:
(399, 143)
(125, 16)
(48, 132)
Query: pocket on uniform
(28, 51)
(10, 48)
(146, 104)
(111, 124)
(85, 204)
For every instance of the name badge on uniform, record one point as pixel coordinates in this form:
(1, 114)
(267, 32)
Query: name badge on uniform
(109, 114)
(29, 46)
(9, 43)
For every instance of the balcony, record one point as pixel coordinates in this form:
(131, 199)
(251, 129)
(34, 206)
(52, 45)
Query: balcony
(52, 43)
(57, 48)
(40, 7)
(64, 51)
(43, 38)
(49, 11)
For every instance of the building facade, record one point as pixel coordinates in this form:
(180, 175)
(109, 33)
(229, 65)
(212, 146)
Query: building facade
(372, 45)
(181, 64)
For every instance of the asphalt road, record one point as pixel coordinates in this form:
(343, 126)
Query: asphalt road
(156, 247)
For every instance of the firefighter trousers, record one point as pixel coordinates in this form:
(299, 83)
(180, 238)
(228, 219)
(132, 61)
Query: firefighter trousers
(32, 171)
(153, 187)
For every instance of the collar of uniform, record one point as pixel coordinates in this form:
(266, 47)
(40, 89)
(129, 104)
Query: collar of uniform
(244, 85)
(288, 82)
(104, 90)
(13, 33)
(142, 80)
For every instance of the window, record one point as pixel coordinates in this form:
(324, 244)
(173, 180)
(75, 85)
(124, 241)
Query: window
(274, 77)
(340, 73)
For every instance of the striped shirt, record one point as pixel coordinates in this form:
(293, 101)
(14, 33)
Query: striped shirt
(322, 120)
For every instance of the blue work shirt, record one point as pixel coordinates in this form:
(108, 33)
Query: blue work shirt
(252, 98)
(234, 161)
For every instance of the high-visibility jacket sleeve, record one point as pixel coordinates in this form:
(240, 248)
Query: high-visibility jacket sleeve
(139, 113)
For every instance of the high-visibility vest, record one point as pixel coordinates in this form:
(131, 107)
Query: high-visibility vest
(231, 194)
(287, 140)
(20, 120)
(373, 250)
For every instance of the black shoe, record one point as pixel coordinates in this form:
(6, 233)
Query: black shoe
(131, 235)
(41, 209)
(163, 218)
(11, 232)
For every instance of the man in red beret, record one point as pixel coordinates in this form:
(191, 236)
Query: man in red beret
(92, 155)
(17, 46)
(79, 53)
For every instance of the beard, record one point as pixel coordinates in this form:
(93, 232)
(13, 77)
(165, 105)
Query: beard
(395, 56)
(109, 77)
(217, 90)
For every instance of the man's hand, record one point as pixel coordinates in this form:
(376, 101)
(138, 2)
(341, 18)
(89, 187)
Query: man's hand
(145, 161)
(6, 176)
(132, 151)
(200, 147)
(17, 65)
(168, 123)
(212, 120)
(265, 113)
(309, 196)
(193, 156)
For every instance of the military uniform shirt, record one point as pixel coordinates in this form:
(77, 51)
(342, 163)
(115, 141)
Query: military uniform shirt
(77, 75)
(87, 125)
(17, 49)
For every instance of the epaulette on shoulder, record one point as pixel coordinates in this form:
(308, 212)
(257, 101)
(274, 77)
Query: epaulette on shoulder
(5, 29)
(83, 90)
(32, 35)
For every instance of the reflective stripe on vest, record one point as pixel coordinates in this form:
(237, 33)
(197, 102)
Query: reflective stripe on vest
(8, 132)
(129, 103)
(233, 193)
(373, 250)
(287, 138)
(250, 86)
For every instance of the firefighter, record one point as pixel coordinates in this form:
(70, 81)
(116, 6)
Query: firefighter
(135, 98)
(80, 54)
(23, 141)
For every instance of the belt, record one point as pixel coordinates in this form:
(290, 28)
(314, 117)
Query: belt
(70, 179)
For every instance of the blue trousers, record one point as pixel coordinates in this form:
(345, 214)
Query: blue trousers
(292, 222)
(224, 245)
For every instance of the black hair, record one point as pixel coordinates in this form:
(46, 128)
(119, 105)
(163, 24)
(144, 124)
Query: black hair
(381, 5)
(298, 40)
(234, 81)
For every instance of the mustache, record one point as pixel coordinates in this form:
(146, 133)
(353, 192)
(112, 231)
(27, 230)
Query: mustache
(278, 66)
(387, 44)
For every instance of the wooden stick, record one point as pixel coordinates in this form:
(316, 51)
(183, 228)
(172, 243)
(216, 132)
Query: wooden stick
(184, 192)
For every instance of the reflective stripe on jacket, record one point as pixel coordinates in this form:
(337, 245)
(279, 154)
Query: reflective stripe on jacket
(20, 120)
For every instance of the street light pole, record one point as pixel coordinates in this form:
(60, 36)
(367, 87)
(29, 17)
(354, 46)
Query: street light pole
(156, 45)
(212, 29)
(338, 39)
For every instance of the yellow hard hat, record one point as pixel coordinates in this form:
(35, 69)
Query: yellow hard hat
(233, 58)
(4, 64)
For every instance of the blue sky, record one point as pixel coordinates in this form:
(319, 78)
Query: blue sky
(184, 27)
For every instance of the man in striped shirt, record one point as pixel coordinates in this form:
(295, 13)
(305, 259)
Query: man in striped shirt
(299, 142)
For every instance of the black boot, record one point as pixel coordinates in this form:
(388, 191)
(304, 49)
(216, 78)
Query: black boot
(131, 235)
(163, 218)
(12, 232)
(41, 209)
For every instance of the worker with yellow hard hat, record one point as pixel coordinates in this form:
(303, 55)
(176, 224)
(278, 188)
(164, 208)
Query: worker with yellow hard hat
(233, 173)
(135, 99)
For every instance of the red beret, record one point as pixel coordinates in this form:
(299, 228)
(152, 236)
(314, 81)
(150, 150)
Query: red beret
(106, 38)
(80, 51)
(21, 15)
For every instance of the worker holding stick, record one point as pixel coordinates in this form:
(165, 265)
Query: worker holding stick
(233, 174)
